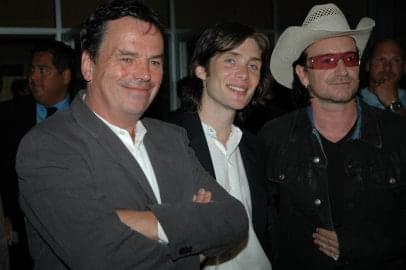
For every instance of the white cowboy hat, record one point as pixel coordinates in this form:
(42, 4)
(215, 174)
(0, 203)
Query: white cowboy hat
(322, 21)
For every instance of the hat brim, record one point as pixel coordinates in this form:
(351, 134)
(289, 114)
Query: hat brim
(295, 39)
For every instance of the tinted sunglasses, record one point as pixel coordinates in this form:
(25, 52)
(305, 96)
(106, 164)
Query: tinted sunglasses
(329, 61)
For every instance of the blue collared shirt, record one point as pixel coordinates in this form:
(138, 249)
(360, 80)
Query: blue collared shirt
(371, 99)
(60, 106)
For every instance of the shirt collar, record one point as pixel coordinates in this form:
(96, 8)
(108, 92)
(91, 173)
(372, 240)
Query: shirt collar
(356, 135)
(140, 130)
(233, 140)
(41, 110)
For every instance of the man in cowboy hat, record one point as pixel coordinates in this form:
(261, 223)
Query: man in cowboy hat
(336, 168)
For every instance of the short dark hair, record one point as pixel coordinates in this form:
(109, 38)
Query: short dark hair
(220, 38)
(63, 56)
(94, 28)
(393, 40)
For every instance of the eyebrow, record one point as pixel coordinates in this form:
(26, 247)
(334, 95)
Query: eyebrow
(239, 55)
(41, 66)
(123, 52)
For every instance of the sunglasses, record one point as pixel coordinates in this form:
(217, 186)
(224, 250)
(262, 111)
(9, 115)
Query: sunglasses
(329, 61)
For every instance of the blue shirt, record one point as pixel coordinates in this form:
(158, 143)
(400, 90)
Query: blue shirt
(60, 106)
(371, 99)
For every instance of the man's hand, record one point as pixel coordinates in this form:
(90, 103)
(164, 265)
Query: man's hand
(327, 242)
(202, 196)
(143, 222)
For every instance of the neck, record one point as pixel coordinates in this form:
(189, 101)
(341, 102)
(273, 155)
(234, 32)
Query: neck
(219, 119)
(121, 120)
(51, 101)
(334, 121)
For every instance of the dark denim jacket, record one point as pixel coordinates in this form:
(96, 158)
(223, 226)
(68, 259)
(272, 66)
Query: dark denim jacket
(373, 233)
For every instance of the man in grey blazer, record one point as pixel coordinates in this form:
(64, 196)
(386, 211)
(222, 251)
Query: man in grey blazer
(102, 189)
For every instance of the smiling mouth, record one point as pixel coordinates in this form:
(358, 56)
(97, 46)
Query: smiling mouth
(237, 89)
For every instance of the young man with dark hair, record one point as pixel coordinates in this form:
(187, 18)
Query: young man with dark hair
(229, 69)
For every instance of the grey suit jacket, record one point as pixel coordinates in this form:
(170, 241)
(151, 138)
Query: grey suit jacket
(74, 172)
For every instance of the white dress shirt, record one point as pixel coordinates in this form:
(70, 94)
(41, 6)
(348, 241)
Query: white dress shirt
(140, 154)
(230, 174)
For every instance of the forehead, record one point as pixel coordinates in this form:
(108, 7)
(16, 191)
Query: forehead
(331, 45)
(42, 58)
(249, 49)
(387, 47)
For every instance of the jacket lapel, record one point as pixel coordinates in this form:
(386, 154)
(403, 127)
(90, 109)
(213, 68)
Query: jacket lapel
(168, 172)
(111, 144)
(191, 122)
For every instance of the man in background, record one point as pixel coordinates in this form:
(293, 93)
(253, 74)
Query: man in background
(50, 77)
(386, 67)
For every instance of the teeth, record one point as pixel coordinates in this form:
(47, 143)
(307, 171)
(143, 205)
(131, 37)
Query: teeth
(235, 88)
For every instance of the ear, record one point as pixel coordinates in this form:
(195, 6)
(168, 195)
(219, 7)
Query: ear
(201, 73)
(67, 76)
(302, 75)
(87, 66)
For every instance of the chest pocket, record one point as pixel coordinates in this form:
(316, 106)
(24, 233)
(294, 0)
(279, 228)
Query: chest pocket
(386, 182)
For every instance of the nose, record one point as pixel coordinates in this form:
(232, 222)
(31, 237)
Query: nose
(34, 74)
(143, 71)
(387, 65)
(341, 69)
(242, 72)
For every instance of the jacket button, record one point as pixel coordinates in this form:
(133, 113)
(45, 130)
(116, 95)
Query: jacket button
(392, 180)
(317, 201)
(316, 160)
(281, 177)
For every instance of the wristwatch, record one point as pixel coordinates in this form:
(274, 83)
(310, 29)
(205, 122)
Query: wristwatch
(395, 106)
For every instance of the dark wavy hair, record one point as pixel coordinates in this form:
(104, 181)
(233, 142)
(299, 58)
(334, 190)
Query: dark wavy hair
(220, 38)
(94, 28)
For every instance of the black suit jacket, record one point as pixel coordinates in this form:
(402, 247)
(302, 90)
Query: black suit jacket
(17, 117)
(251, 152)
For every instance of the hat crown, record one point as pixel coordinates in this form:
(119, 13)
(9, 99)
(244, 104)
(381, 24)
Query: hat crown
(326, 17)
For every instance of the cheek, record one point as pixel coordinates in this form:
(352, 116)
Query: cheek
(354, 73)
(318, 79)
(156, 77)
(398, 70)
